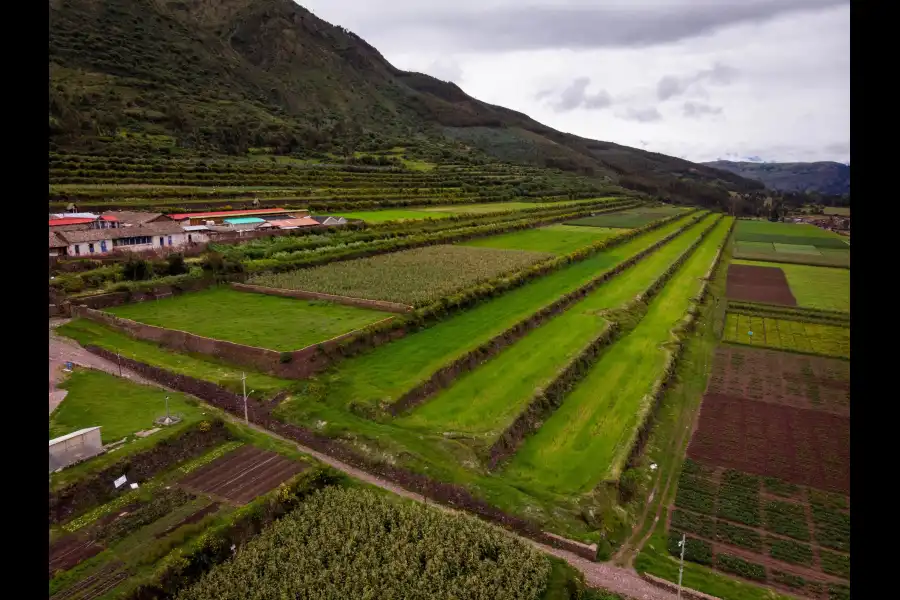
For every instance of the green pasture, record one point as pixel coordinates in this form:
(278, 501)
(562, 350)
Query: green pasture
(121, 407)
(388, 371)
(632, 218)
(381, 216)
(791, 234)
(485, 401)
(555, 239)
(589, 436)
(273, 322)
(814, 287)
(451, 210)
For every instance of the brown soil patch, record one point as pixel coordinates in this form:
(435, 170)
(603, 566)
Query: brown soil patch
(782, 378)
(71, 550)
(242, 475)
(759, 284)
(194, 517)
(801, 446)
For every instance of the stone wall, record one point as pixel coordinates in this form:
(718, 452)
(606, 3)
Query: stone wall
(302, 294)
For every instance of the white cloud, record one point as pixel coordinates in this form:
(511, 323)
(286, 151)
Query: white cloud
(768, 78)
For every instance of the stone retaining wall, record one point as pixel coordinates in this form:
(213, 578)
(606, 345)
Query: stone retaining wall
(304, 295)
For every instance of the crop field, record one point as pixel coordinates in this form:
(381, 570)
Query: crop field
(399, 549)
(759, 284)
(485, 401)
(787, 237)
(260, 320)
(843, 211)
(414, 277)
(628, 218)
(87, 405)
(588, 438)
(555, 239)
(814, 287)
(785, 334)
(450, 210)
(766, 251)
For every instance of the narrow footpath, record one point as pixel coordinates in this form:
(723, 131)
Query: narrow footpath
(623, 581)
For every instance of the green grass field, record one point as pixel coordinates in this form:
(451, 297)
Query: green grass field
(451, 210)
(843, 211)
(790, 234)
(814, 287)
(119, 406)
(384, 374)
(260, 320)
(632, 218)
(486, 401)
(587, 439)
(382, 216)
(785, 334)
(417, 277)
(555, 239)
(202, 367)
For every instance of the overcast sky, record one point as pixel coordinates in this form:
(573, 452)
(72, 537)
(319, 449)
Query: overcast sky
(699, 79)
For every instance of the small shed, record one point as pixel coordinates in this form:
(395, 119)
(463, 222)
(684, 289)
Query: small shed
(75, 447)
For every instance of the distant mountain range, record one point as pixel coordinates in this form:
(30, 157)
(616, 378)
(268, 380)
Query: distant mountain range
(831, 178)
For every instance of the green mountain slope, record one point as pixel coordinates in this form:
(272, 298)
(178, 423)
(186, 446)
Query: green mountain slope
(226, 76)
(829, 178)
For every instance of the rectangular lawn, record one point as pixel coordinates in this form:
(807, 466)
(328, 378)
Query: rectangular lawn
(121, 407)
(588, 438)
(486, 400)
(555, 239)
(280, 324)
(415, 277)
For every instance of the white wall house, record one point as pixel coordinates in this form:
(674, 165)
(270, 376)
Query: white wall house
(161, 236)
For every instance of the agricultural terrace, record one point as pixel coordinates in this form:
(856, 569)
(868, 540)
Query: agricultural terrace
(260, 320)
(485, 401)
(799, 243)
(416, 277)
(387, 372)
(400, 549)
(555, 239)
(633, 218)
(814, 287)
(589, 437)
(785, 334)
(135, 408)
(452, 210)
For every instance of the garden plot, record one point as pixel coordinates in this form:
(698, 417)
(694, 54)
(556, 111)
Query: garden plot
(786, 334)
(817, 287)
(759, 284)
(799, 234)
(782, 378)
(243, 474)
(417, 277)
(588, 438)
(281, 324)
(802, 446)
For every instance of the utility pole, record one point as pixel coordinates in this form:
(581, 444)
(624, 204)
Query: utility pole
(244, 383)
(681, 567)
(119, 360)
(167, 410)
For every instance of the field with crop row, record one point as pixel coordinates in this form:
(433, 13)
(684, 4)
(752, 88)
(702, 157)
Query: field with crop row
(630, 218)
(788, 237)
(259, 320)
(588, 438)
(485, 401)
(814, 287)
(415, 277)
(784, 334)
(555, 239)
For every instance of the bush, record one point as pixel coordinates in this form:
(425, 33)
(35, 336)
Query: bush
(176, 265)
(629, 483)
(137, 269)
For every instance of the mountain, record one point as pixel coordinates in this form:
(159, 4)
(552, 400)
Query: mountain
(226, 76)
(830, 178)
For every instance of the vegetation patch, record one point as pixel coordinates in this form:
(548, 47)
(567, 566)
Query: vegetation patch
(738, 536)
(740, 567)
(791, 552)
(820, 288)
(785, 334)
(555, 239)
(787, 519)
(627, 218)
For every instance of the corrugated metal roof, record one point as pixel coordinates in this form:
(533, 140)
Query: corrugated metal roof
(245, 220)
(195, 228)
(223, 213)
(132, 216)
(301, 222)
(76, 215)
(70, 221)
(74, 434)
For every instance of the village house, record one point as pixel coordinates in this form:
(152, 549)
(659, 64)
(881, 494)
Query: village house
(137, 238)
(325, 220)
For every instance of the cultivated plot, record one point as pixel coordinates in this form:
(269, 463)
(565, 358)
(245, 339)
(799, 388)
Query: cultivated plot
(636, 217)
(759, 284)
(802, 234)
(589, 437)
(260, 320)
(814, 287)
(414, 277)
(785, 334)
(555, 239)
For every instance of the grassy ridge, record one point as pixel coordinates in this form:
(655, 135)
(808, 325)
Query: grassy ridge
(259, 320)
(486, 400)
(587, 435)
(389, 371)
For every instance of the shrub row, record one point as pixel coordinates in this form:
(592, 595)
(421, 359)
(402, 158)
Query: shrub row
(832, 528)
(740, 567)
(453, 495)
(738, 536)
(739, 499)
(98, 488)
(701, 525)
(791, 552)
(787, 519)
(696, 493)
(697, 551)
